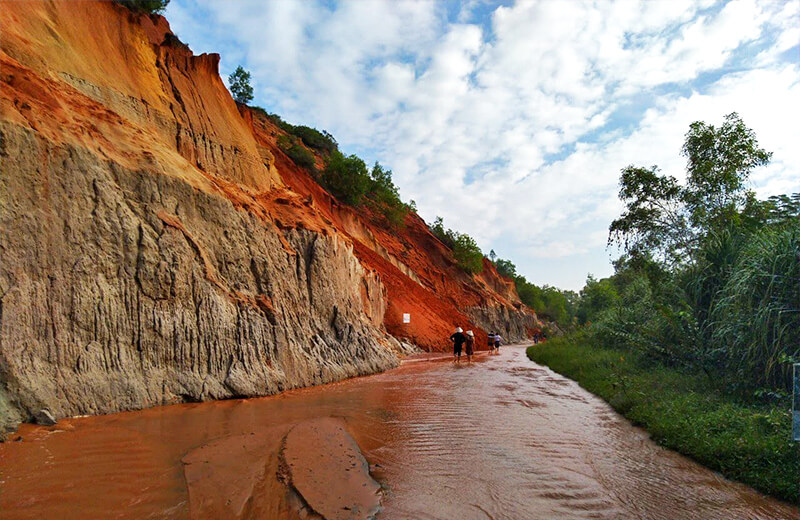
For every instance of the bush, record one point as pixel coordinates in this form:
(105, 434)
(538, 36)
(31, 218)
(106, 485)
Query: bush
(297, 152)
(442, 233)
(311, 137)
(506, 268)
(280, 123)
(467, 253)
(465, 250)
(385, 196)
(346, 178)
(145, 6)
(395, 215)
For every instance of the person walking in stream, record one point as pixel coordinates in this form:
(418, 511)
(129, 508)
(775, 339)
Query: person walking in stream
(491, 342)
(498, 339)
(458, 338)
(470, 345)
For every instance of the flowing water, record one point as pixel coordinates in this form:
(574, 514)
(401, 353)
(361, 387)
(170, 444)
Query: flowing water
(500, 438)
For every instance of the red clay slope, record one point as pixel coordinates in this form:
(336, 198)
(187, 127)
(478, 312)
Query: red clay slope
(121, 85)
(420, 274)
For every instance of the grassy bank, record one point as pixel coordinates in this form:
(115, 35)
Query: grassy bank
(748, 442)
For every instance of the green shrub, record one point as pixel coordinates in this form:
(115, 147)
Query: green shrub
(346, 178)
(506, 268)
(385, 197)
(297, 152)
(442, 233)
(467, 253)
(313, 138)
(280, 123)
(145, 6)
(465, 250)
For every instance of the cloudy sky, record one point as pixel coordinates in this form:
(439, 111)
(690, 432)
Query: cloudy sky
(513, 120)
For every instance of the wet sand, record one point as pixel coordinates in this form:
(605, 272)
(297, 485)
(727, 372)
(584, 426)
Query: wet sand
(502, 438)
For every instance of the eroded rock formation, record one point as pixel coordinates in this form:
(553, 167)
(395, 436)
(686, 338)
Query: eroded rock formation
(157, 246)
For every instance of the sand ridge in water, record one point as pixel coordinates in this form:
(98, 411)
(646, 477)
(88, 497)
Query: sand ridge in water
(502, 438)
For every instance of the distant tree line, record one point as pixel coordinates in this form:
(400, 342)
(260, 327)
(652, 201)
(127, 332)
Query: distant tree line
(550, 303)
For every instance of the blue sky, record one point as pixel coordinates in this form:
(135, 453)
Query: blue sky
(512, 120)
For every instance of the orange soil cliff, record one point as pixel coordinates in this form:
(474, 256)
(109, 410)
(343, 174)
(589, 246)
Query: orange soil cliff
(72, 69)
(158, 245)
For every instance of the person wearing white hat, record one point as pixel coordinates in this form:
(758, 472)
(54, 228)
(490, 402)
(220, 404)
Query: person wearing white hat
(458, 338)
(470, 345)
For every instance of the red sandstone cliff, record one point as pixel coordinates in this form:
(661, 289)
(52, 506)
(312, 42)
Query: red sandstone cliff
(158, 246)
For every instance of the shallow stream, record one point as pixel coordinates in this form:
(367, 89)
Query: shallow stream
(500, 438)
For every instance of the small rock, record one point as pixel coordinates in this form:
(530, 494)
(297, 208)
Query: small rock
(44, 417)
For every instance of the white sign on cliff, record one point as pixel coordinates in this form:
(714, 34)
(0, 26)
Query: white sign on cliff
(406, 318)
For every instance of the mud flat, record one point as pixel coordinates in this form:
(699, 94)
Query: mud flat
(501, 438)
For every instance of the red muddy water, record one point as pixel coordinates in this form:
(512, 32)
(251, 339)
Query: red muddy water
(502, 438)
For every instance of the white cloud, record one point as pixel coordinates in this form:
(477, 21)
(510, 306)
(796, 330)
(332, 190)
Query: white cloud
(514, 125)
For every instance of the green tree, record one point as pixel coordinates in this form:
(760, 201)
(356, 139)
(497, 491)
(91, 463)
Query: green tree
(654, 221)
(322, 141)
(382, 184)
(385, 196)
(240, 86)
(665, 220)
(781, 209)
(719, 161)
(440, 232)
(595, 297)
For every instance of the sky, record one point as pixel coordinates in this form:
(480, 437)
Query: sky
(512, 120)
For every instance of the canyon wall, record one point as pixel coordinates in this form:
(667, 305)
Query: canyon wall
(157, 246)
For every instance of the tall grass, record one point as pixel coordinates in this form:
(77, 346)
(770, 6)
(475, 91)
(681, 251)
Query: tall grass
(756, 321)
(735, 309)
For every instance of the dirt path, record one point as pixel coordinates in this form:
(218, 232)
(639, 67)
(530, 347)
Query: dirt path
(502, 438)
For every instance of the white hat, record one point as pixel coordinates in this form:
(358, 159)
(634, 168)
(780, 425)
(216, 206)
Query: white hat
(469, 333)
(459, 329)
